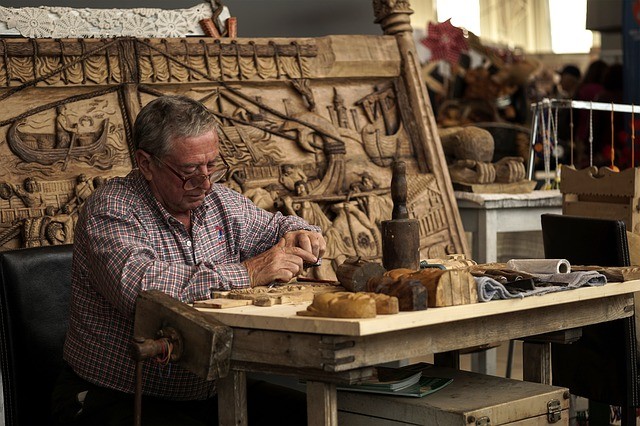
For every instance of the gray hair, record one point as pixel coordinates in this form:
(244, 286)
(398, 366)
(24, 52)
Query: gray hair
(167, 118)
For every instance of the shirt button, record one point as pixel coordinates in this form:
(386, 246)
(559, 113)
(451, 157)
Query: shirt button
(188, 243)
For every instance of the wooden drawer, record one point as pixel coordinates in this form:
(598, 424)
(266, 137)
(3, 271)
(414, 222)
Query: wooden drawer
(471, 399)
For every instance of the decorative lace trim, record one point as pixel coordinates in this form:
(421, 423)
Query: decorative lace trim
(66, 22)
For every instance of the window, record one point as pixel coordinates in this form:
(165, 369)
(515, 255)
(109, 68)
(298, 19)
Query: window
(568, 26)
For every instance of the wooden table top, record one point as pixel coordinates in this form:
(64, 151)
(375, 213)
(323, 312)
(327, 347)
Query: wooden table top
(284, 318)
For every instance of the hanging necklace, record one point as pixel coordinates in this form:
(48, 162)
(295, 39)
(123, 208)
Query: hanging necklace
(556, 182)
(613, 138)
(590, 134)
(571, 133)
(633, 136)
(546, 145)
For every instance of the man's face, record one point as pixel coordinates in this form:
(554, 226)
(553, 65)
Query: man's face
(189, 156)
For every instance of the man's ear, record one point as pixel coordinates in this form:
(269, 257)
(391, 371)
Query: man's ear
(143, 160)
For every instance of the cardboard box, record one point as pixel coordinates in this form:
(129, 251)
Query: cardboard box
(471, 399)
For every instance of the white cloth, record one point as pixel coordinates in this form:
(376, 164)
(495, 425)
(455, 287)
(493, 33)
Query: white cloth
(490, 289)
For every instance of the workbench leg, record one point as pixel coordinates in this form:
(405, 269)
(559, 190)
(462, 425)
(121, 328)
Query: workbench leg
(484, 361)
(232, 399)
(536, 362)
(487, 236)
(449, 359)
(322, 404)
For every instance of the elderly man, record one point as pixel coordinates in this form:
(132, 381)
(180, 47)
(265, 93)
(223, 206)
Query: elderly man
(167, 226)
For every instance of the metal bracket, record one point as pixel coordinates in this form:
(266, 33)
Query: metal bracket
(483, 421)
(554, 411)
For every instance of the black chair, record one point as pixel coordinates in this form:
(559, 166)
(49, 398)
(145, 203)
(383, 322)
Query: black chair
(34, 300)
(602, 365)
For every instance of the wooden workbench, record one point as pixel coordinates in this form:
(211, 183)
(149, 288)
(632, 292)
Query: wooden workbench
(328, 351)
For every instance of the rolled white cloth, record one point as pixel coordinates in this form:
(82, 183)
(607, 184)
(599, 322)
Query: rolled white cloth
(540, 266)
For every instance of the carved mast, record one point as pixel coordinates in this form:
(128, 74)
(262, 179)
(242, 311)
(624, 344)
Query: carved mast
(417, 114)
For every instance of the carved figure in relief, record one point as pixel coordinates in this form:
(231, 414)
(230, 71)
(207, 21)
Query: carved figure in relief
(290, 175)
(51, 229)
(84, 187)
(358, 235)
(308, 210)
(377, 207)
(30, 194)
(60, 229)
(6, 191)
(65, 131)
(313, 214)
(264, 198)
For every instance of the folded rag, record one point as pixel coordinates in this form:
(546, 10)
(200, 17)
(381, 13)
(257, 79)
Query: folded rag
(573, 279)
(490, 289)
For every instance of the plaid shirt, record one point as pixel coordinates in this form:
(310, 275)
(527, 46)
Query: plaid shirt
(126, 242)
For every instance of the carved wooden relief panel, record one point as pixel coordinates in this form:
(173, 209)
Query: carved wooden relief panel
(309, 126)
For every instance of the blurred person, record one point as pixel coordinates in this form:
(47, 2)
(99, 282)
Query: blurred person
(588, 90)
(569, 79)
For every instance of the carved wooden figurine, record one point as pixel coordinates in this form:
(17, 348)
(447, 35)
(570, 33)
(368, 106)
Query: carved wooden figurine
(341, 305)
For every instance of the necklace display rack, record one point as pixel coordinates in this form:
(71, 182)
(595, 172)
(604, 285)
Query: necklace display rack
(603, 192)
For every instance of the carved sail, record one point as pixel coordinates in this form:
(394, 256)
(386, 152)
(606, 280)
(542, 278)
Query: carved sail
(39, 147)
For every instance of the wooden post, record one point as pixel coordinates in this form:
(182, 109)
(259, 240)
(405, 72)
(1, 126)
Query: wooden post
(536, 361)
(322, 404)
(417, 114)
(232, 399)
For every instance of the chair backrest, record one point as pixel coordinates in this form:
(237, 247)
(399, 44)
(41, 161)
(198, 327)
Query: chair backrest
(34, 305)
(585, 240)
(602, 365)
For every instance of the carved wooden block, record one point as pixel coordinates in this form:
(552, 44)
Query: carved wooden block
(354, 273)
(444, 287)
(411, 294)
(310, 126)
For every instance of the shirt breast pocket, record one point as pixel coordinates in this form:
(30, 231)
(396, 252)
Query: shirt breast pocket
(219, 248)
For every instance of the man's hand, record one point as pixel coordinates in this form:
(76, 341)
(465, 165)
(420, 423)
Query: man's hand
(312, 242)
(280, 263)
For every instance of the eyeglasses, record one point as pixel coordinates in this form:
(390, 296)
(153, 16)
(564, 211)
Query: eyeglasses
(196, 181)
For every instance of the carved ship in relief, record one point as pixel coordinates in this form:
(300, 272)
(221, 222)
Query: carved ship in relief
(40, 147)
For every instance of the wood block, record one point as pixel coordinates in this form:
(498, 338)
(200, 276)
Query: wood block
(448, 287)
(444, 287)
(221, 303)
(385, 304)
(354, 273)
(341, 305)
(411, 294)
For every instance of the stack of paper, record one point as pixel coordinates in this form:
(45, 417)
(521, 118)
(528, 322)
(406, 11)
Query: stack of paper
(404, 381)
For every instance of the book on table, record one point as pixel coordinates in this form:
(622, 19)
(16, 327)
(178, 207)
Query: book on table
(411, 380)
